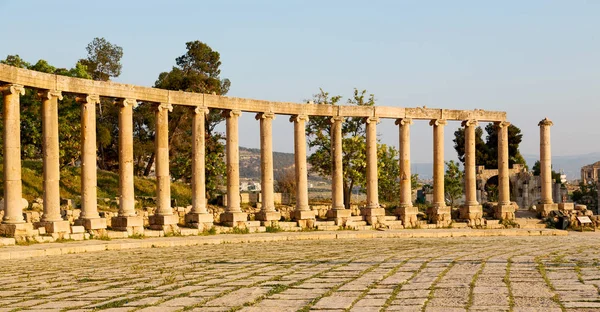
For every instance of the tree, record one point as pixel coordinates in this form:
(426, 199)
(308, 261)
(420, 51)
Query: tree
(486, 152)
(198, 70)
(103, 60)
(587, 194)
(537, 170)
(453, 181)
(388, 173)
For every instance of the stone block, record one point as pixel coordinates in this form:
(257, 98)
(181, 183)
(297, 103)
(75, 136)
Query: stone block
(303, 215)
(372, 211)
(408, 216)
(16, 229)
(339, 213)
(76, 229)
(470, 212)
(54, 226)
(164, 219)
(268, 216)
(7, 241)
(78, 236)
(199, 218)
(42, 230)
(122, 223)
(566, 206)
(92, 224)
(234, 217)
(544, 209)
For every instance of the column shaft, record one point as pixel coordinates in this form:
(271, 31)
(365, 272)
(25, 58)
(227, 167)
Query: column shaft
(89, 197)
(470, 167)
(233, 161)
(337, 179)
(51, 156)
(405, 173)
(163, 178)
(198, 161)
(266, 160)
(126, 182)
(300, 166)
(13, 205)
(438, 162)
(503, 169)
(546, 162)
(372, 178)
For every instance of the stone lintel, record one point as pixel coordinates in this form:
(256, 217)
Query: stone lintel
(199, 218)
(268, 216)
(122, 222)
(544, 209)
(92, 224)
(372, 211)
(160, 220)
(234, 217)
(303, 215)
(16, 229)
(62, 226)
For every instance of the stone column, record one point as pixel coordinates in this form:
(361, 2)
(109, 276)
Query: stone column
(439, 213)
(373, 212)
(505, 209)
(127, 220)
(405, 211)
(233, 215)
(337, 172)
(13, 222)
(546, 202)
(302, 214)
(51, 219)
(471, 210)
(267, 212)
(163, 218)
(89, 218)
(199, 217)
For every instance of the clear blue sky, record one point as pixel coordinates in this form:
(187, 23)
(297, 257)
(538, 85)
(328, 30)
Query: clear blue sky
(532, 59)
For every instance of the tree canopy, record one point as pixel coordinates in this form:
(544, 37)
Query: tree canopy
(103, 59)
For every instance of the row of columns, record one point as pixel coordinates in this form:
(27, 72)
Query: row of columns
(199, 215)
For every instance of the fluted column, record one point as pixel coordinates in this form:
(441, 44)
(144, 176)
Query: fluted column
(233, 216)
(163, 218)
(505, 209)
(405, 211)
(372, 212)
(267, 211)
(51, 219)
(127, 217)
(302, 211)
(439, 213)
(338, 211)
(199, 217)
(546, 202)
(471, 210)
(13, 204)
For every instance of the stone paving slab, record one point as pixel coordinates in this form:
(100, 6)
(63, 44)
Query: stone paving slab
(545, 273)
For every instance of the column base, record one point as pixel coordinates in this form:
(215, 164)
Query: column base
(16, 229)
(440, 215)
(54, 226)
(192, 218)
(268, 216)
(408, 216)
(372, 211)
(234, 219)
(471, 212)
(92, 224)
(123, 223)
(340, 216)
(303, 215)
(505, 211)
(544, 209)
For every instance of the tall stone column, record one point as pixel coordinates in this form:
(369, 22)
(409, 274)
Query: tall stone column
(302, 214)
(505, 209)
(233, 215)
(267, 212)
(127, 220)
(51, 219)
(163, 218)
(373, 212)
(439, 213)
(199, 217)
(546, 202)
(405, 211)
(471, 210)
(337, 173)
(13, 204)
(89, 218)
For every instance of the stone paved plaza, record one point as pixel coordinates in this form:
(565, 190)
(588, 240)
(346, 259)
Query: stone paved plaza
(427, 274)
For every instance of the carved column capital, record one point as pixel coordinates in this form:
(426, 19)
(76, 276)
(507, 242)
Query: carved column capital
(335, 119)
(546, 122)
(229, 113)
(88, 99)
(297, 118)
(12, 89)
(49, 94)
(438, 122)
(403, 121)
(201, 110)
(501, 124)
(164, 106)
(126, 102)
(371, 119)
(267, 115)
(469, 123)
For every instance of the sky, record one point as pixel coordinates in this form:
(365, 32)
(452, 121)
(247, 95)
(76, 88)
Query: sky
(532, 59)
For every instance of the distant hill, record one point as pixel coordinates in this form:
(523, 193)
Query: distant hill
(570, 165)
(250, 163)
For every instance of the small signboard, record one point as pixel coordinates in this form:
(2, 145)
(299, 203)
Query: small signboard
(584, 220)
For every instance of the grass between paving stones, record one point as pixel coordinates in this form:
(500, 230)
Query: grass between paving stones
(397, 289)
(506, 279)
(437, 280)
(472, 284)
(542, 270)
